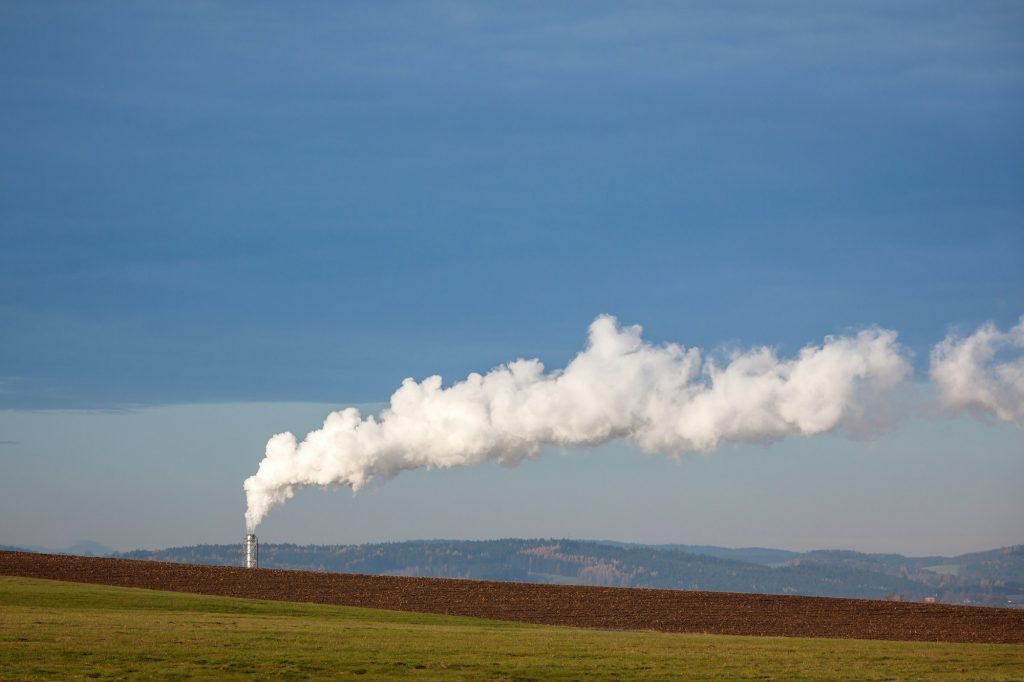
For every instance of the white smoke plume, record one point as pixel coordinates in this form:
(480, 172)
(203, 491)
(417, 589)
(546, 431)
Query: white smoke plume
(662, 398)
(968, 376)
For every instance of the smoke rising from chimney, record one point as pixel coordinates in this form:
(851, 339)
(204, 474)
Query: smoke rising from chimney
(667, 399)
(967, 375)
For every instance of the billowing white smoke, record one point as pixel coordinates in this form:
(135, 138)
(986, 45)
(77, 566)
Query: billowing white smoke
(662, 398)
(966, 374)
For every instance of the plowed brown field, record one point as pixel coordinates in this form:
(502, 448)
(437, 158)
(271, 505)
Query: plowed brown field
(592, 607)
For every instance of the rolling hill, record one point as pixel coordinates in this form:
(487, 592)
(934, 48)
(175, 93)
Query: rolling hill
(992, 578)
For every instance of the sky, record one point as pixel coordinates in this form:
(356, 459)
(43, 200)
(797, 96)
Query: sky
(220, 221)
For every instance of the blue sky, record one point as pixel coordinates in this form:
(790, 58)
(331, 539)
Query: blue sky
(241, 203)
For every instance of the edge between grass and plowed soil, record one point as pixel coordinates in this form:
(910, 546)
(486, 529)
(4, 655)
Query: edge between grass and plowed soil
(571, 605)
(61, 630)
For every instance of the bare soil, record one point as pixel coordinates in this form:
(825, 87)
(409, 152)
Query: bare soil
(591, 607)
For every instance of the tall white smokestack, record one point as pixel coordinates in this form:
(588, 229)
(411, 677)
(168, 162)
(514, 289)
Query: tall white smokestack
(250, 551)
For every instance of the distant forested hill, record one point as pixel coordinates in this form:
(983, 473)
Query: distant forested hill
(994, 578)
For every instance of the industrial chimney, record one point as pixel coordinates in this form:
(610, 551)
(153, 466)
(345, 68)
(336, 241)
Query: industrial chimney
(250, 551)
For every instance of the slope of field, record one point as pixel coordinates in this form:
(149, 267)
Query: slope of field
(594, 607)
(59, 630)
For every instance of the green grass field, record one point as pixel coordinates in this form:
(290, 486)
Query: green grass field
(56, 630)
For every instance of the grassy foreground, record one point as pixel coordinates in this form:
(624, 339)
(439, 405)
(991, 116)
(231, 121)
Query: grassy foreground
(58, 630)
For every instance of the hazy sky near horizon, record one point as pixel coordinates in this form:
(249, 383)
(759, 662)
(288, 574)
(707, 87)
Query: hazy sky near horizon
(170, 476)
(221, 221)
